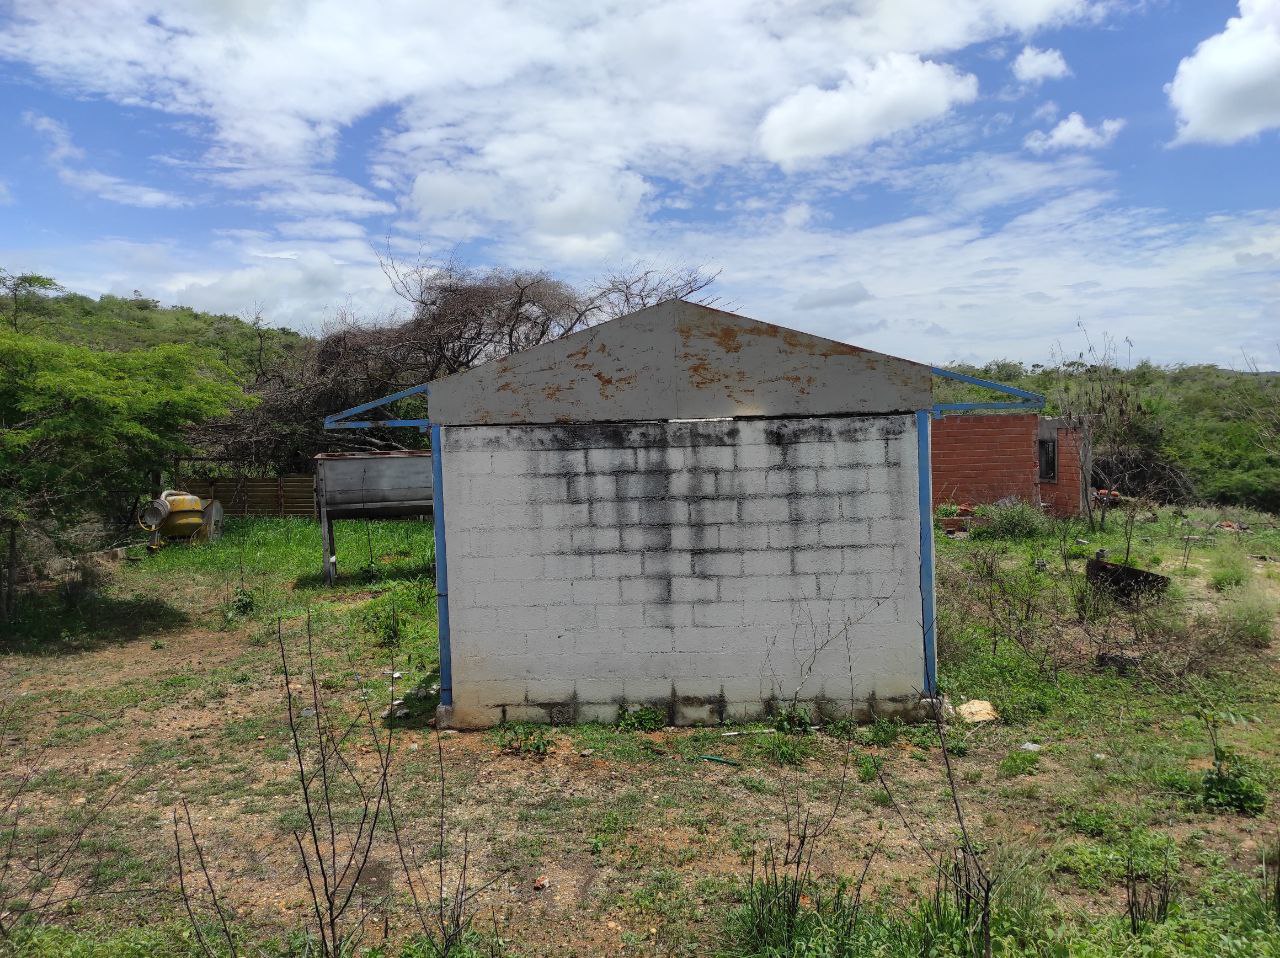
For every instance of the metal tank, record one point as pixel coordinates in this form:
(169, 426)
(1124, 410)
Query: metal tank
(369, 485)
(180, 515)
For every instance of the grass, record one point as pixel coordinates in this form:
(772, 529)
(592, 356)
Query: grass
(1250, 616)
(1226, 920)
(1229, 566)
(646, 833)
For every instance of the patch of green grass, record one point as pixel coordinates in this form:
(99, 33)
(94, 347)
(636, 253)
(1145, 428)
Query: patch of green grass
(1018, 763)
(607, 741)
(1102, 862)
(1095, 822)
(1229, 566)
(1249, 617)
(613, 825)
(778, 749)
(1015, 520)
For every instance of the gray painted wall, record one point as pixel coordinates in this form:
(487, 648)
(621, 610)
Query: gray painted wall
(707, 567)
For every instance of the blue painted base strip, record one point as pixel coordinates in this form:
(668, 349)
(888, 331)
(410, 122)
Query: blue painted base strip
(927, 609)
(442, 567)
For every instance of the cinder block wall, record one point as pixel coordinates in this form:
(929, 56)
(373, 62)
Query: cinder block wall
(978, 459)
(709, 568)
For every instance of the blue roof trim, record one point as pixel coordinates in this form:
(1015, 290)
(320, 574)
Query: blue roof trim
(342, 420)
(1030, 400)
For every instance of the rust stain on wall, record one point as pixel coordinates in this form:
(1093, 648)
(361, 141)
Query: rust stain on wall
(610, 384)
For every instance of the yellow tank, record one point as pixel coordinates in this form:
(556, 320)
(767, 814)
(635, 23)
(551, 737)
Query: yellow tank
(186, 516)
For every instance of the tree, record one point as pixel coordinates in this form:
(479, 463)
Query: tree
(458, 317)
(23, 291)
(80, 429)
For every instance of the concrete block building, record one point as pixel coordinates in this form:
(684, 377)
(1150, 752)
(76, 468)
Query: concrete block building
(686, 509)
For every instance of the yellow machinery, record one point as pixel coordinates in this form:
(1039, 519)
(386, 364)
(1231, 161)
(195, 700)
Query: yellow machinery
(180, 515)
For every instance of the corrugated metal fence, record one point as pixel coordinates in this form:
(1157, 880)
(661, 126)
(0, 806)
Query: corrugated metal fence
(286, 496)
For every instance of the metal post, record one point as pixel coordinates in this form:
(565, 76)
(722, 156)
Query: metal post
(929, 618)
(442, 568)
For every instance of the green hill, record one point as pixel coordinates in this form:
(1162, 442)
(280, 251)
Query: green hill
(1203, 422)
(1200, 424)
(114, 323)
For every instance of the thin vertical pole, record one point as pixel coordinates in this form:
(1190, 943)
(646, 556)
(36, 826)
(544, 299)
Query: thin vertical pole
(928, 613)
(442, 567)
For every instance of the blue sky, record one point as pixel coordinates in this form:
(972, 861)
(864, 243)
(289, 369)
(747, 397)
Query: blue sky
(942, 179)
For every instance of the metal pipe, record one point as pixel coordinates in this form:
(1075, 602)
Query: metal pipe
(442, 568)
(927, 606)
(987, 384)
(333, 421)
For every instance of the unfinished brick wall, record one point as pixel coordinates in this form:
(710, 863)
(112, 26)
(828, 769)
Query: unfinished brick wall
(1065, 496)
(979, 459)
(983, 459)
(709, 568)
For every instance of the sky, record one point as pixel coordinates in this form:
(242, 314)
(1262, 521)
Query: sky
(939, 179)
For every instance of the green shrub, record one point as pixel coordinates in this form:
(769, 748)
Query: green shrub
(403, 616)
(793, 720)
(946, 510)
(241, 601)
(883, 732)
(846, 728)
(1230, 786)
(524, 738)
(1228, 567)
(1095, 822)
(1013, 520)
(780, 749)
(868, 768)
(647, 718)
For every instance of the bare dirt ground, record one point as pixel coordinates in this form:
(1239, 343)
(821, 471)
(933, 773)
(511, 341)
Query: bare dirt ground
(614, 841)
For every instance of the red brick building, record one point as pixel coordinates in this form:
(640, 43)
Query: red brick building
(985, 458)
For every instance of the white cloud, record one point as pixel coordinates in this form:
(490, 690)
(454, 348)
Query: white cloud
(6, 195)
(947, 282)
(1046, 112)
(546, 124)
(1073, 133)
(949, 287)
(1034, 65)
(553, 136)
(65, 156)
(878, 99)
(1229, 88)
(844, 295)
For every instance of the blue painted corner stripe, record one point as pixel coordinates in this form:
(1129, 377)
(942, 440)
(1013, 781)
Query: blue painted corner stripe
(442, 568)
(927, 607)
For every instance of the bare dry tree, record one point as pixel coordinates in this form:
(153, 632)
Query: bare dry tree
(1120, 438)
(454, 317)
(189, 896)
(1257, 401)
(445, 924)
(343, 807)
(333, 856)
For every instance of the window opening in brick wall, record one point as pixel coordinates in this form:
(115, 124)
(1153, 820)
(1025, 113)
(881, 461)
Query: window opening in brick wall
(1048, 460)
